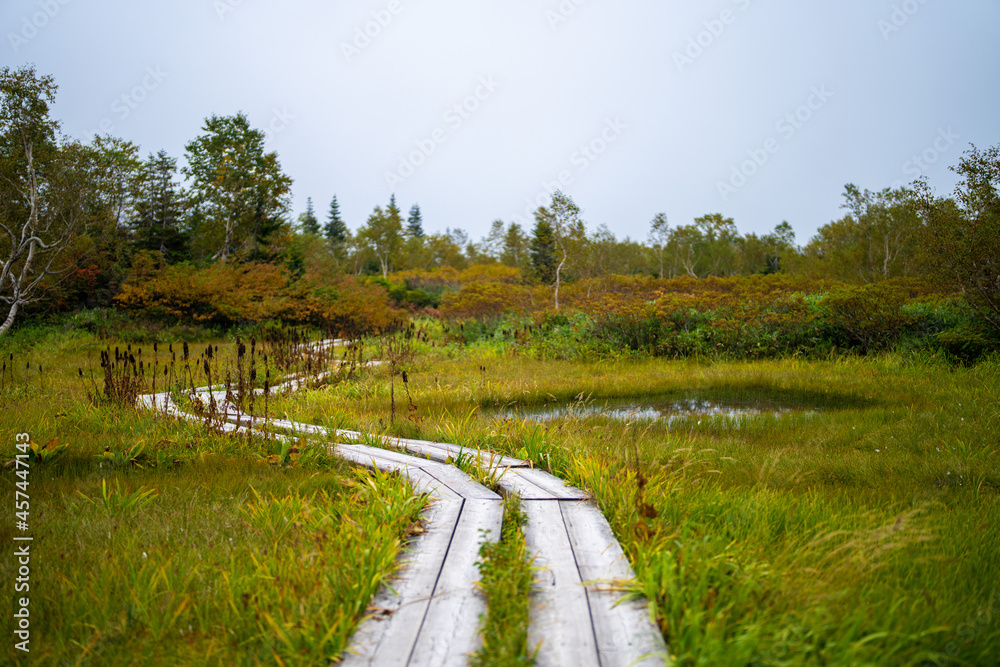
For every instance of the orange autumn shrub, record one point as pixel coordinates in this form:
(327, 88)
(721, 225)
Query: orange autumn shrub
(222, 294)
(230, 294)
(343, 305)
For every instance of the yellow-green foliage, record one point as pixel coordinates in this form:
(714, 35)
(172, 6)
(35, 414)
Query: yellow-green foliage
(855, 530)
(227, 294)
(158, 543)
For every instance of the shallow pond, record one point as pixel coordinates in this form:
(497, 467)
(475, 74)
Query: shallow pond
(661, 409)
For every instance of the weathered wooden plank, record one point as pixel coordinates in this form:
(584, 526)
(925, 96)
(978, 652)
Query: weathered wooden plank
(385, 455)
(625, 632)
(560, 615)
(534, 484)
(450, 632)
(387, 636)
(430, 614)
(459, 482)
(443, 451)
(513, 484)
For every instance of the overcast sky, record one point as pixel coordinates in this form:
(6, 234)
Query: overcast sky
(761, 111)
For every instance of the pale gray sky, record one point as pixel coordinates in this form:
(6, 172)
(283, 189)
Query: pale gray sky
(758, 110)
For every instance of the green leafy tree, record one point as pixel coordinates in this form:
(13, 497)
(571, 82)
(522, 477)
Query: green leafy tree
(44, 188)
(515, 247)
(717, 250)
(960, 236)
(874, 241)
(491, 246)
(241, 192)
(659, 237)
(568, 233)
(382, 236)
(308, 222)
(780, 244)
(765, 254)
(887, 221)
(415, 223)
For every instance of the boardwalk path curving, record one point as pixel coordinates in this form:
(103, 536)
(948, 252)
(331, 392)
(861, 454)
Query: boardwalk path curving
(431, 614)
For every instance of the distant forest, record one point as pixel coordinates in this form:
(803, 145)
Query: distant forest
(97, 224)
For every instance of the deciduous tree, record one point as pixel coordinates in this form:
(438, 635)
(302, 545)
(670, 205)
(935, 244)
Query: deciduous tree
(960, 236)
(241, 191)
(382, 235)
(44, 187)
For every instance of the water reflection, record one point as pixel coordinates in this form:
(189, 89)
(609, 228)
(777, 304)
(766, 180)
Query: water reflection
(662, 410)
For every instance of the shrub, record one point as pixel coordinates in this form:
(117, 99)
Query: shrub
(869, 316)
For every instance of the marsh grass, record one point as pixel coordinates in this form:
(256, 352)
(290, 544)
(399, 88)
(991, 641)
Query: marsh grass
(507, 575)
(158, 542)
(858, 529)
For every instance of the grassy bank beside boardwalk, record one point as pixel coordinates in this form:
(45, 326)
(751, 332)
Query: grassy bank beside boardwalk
(858, 527)
(158, 542)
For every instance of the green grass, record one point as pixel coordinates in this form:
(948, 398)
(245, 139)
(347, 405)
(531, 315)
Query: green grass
(157, 542)
(859, 529)
(506, 582)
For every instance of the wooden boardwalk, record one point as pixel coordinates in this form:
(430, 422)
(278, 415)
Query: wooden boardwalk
(431, 614)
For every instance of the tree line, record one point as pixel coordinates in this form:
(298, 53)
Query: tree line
(74, 216)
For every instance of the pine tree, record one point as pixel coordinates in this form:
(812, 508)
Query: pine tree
(393, 215)
(307, 221)
(335, 230)
(415, 223)
(159, 210)
(515, 244)
(543, 247)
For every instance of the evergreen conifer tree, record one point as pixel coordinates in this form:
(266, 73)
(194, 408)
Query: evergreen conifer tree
(308, 221)
(335, 230)
(160, 210)
(543, 247)
(415, 223)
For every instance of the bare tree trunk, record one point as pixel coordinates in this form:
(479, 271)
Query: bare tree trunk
(559, 276)
(10, 319)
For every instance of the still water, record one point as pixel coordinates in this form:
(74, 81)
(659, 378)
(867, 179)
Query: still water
(669, 410)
